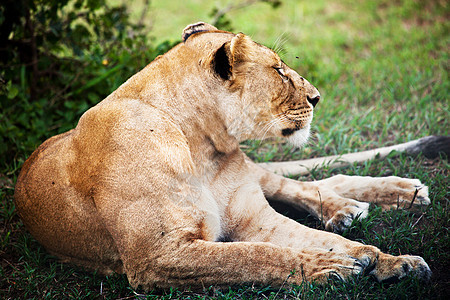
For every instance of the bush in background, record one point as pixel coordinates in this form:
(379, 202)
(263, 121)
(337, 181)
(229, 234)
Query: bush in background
(58, 58)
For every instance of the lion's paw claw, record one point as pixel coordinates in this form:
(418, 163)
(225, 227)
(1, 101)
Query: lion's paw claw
(343, 218)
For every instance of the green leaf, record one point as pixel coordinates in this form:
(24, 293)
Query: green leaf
(13, 91)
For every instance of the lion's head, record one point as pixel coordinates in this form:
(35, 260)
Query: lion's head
(277, 100)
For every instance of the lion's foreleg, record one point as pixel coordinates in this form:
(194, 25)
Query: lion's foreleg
(335, 211)
(338, 200)
(165, 248)
(387, 192)
(199, 263)
(343, 257)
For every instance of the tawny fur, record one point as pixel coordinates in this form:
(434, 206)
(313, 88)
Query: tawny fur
(152, 178)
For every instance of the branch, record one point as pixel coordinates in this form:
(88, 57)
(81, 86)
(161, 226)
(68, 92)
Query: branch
(221, 12)
(144, 11)
(29, 26)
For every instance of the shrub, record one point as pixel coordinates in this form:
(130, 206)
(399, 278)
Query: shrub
(57, 59)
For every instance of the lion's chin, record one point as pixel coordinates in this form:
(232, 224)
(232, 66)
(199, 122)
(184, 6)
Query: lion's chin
(299, 137)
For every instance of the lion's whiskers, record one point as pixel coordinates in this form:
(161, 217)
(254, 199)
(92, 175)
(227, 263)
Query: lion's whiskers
(269, 125)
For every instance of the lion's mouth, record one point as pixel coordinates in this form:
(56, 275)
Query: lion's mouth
(288, 131)
(298, 122)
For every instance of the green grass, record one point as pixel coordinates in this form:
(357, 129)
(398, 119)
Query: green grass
(382, 70)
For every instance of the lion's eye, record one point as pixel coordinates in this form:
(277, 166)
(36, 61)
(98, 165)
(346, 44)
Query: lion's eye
(281, 73)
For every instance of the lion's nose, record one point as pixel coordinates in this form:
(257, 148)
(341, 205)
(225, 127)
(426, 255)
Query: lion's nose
(313, 100)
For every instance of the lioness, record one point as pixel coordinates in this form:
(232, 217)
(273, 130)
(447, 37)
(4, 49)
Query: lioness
(152, 182)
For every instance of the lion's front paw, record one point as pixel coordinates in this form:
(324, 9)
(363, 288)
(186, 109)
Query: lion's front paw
(392, 268)
(344, 217)
(403, 193)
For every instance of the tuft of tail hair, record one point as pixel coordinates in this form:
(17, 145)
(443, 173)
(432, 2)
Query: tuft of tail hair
(430, 146)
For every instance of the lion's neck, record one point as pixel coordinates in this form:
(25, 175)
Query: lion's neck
(212, 119)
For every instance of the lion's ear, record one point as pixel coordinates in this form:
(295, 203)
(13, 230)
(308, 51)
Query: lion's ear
(241, 48)
(230, 53)
(197, 27)
(222, 61)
